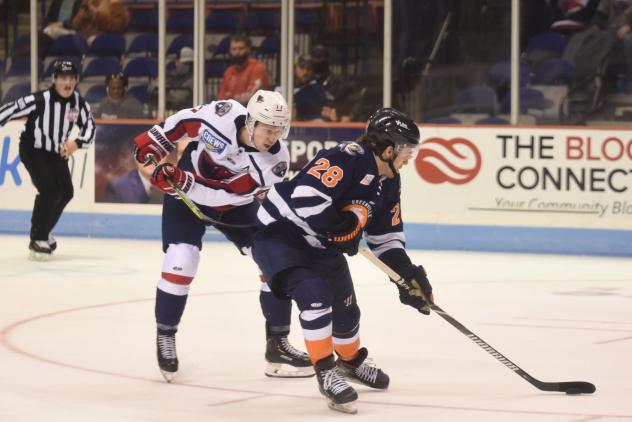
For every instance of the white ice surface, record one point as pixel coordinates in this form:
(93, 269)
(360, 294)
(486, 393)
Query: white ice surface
(77, 339)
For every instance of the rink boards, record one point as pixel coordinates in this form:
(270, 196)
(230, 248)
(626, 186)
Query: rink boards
(501, 188)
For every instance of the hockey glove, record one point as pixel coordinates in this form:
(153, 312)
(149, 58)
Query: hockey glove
(165, 175)
(415, 283)
(155, 144)
(346, 236)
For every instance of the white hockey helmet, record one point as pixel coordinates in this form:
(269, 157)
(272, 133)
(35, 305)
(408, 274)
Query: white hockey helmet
(268, 107)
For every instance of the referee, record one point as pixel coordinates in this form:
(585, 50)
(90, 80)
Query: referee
(45, 148)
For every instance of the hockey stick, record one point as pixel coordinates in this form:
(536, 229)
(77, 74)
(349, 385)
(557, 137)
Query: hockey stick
(191, 205)
(569, 387)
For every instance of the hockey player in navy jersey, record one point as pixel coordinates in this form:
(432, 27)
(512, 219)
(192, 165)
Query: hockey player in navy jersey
(235, 156)
(309, 222)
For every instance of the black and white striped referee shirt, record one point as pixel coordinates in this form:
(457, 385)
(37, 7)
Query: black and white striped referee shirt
(50, 118)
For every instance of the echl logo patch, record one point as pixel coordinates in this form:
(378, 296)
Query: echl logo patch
(352, 148)
(72, 114)
(367, 179)
(212, 143)
(280, 169)
(222, 108)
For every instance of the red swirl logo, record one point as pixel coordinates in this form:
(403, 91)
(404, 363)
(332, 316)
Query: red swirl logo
(455, 161)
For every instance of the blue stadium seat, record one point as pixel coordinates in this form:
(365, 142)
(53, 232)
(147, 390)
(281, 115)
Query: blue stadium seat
(491, 120)
(444, 120)
(141, 67)
(95, 94)
(476, 99)
(215, 68)
(547, 41)
(143, 20)
(220, 20)
(182, 40)
(107, 45)
(554, 72)
(69, 45)
(263, 20)
(223, 47)
(530, 98)
(49, 69)
(500, 74)
(102, 66)
(269, 45)
(21, 46)
(140, 92)
(16, 91)
(180, 20)
(146, 43)
(21, 66)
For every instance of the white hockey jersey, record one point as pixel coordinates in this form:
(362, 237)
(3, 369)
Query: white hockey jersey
(227, 173)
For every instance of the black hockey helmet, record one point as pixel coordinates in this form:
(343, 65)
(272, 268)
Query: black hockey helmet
(64, 67)
(388, 126)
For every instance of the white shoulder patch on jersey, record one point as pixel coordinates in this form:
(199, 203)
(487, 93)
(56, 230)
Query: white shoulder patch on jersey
(352, 148)
(21, 103)
(222, 107)
(212, 142)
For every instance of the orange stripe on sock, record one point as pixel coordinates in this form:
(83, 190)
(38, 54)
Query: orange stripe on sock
(319, 349)
(348, 351)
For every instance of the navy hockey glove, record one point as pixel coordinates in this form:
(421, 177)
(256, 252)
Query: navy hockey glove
(155, 144)
(415, 283)
(166, 174)
(346, 236)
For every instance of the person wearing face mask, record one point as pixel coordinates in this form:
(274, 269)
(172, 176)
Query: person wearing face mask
(118, 103)
(308, 223)
(245, 75)
(235, 155)
(45, 148)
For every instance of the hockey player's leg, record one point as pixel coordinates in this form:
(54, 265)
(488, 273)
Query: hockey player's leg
(352, 362)
(179, 267)
(283, 359)
(313, 298)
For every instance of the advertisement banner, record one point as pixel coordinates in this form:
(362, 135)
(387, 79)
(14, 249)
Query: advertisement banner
(571, 177)
(17, 191)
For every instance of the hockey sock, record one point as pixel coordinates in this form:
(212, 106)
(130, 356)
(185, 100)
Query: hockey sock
(169, 308)
(277, 312)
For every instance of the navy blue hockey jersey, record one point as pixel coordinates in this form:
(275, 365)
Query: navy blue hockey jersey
(310, 203)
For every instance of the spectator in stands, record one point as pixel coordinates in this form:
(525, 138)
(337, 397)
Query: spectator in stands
(88, 17)
(615, 17)
(571, 16)
(118, 103)
(311, 100)
(246, 75)
(346, 98)
(180, 81)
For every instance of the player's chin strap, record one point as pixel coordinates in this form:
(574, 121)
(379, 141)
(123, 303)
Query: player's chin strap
(389, 162)
(191, 205)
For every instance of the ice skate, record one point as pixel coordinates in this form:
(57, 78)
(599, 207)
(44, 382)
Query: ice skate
(167, 358)
(286, 361)
(52, 242)
(39, 250)
(363, 371)
(332, 384)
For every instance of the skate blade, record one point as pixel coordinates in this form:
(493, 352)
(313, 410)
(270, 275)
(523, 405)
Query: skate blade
(168, 376)
(283, 370)
(39, 256)
(349, 408)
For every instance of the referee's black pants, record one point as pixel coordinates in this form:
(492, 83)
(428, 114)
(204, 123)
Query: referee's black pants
(51, 177)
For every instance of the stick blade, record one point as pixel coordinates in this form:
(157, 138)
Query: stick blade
(577, 387)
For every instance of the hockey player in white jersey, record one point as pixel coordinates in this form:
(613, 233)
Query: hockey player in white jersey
(234, 157)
